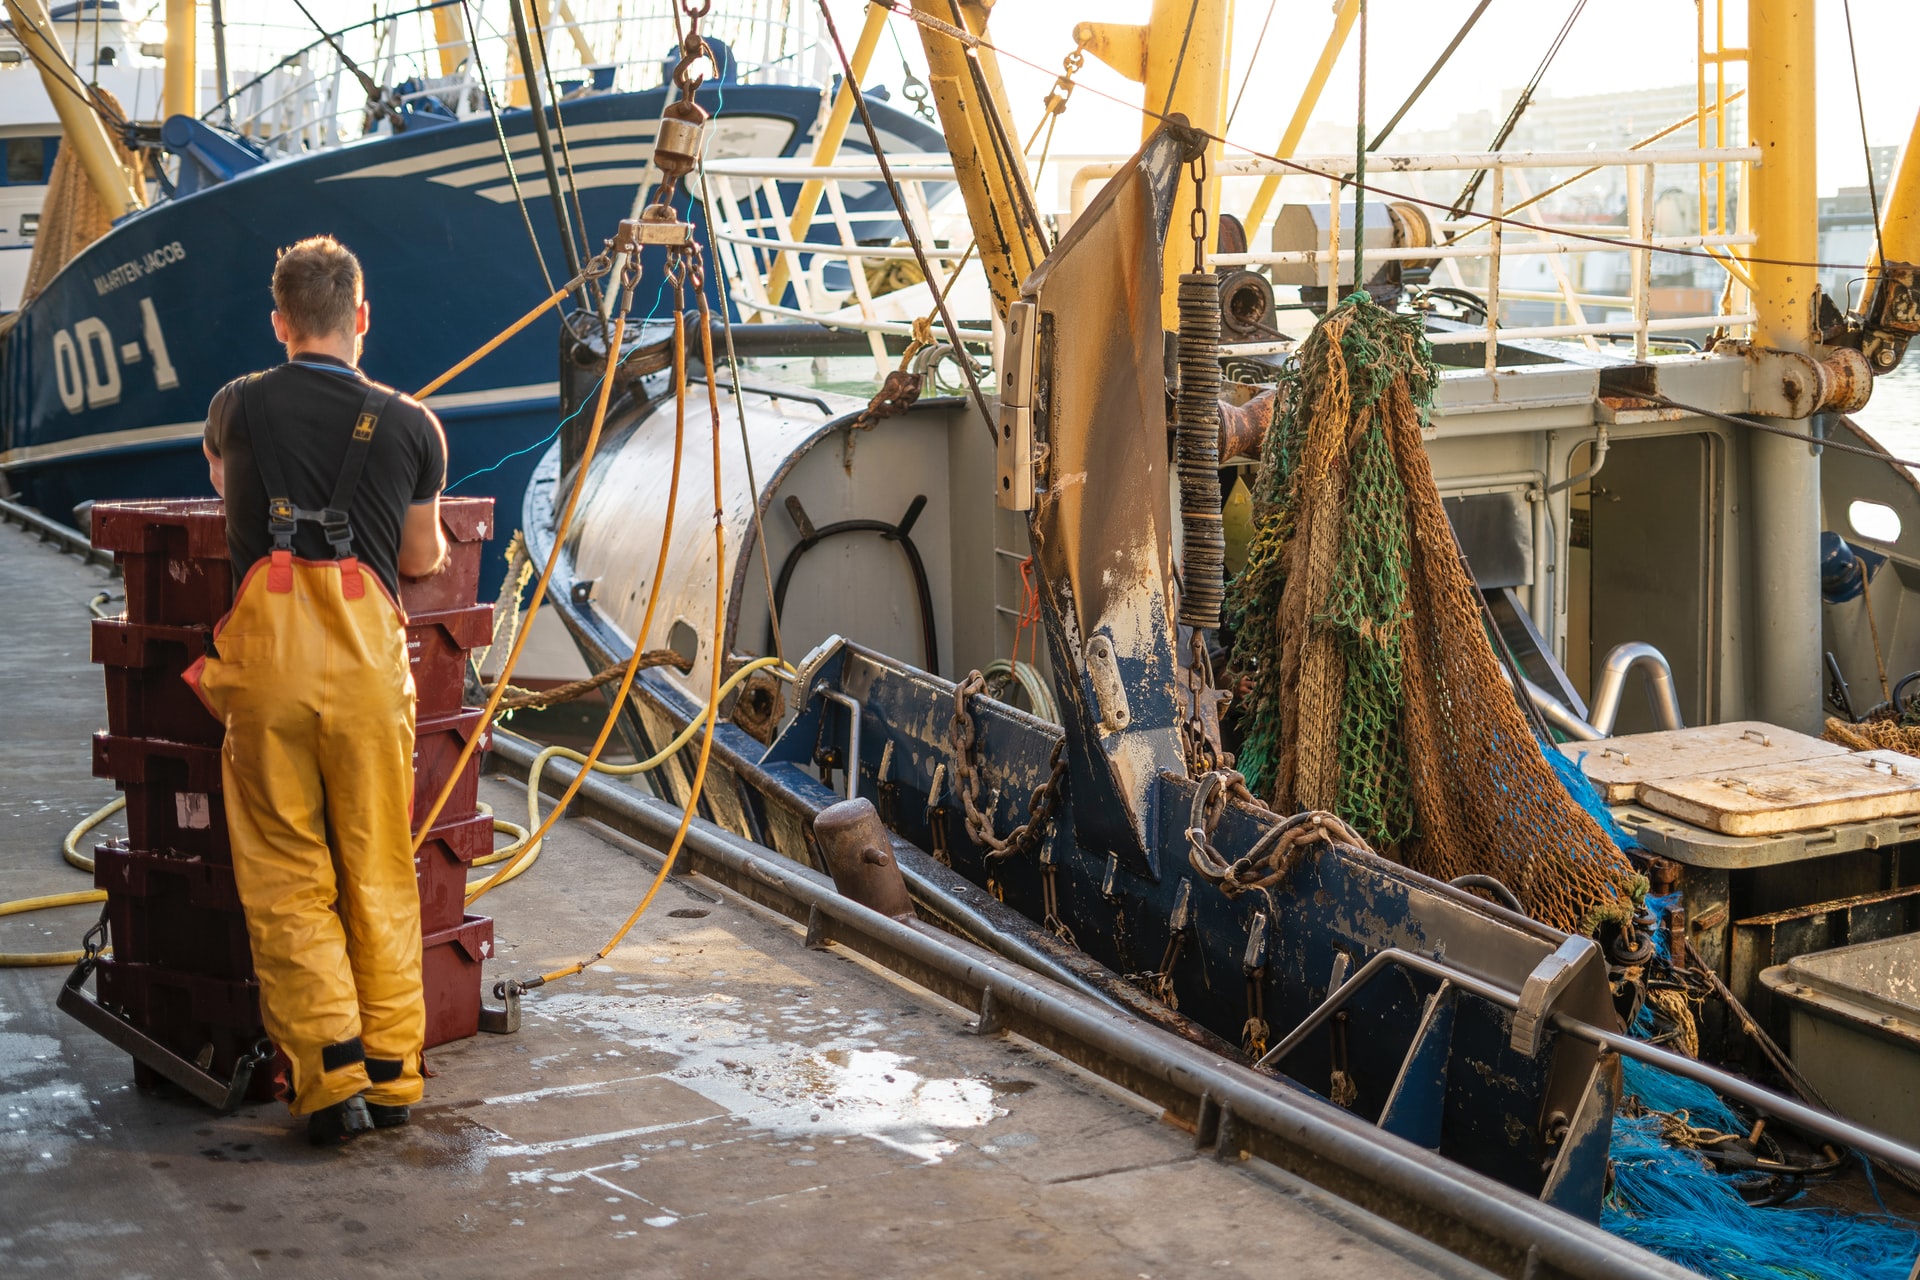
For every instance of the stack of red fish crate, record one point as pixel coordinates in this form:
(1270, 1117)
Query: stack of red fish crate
(181, 968)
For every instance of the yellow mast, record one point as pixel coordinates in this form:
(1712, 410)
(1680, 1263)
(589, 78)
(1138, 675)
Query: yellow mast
(450, 33)
(1181, 57)
(827, 146)
(180, 91)
(992, 171)
(82, 128)
(1303, 110)
(1785, 511)
(1786, 206)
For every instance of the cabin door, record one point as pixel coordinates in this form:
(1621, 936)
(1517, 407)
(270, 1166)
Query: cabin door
(1650, 529)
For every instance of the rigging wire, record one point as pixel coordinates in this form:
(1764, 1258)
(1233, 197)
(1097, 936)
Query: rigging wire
(566, 156)
(1003, 149)
(1359, 171)
(1252, 61)
(1611, 242)
(376, 96)
(900, 205)
(538, 110)
(1819, 442)
(1425, 80)
(1471, 191)
(500, 132)
(1866, 148)
(1180, 59)
(740, 408)
(111, 119)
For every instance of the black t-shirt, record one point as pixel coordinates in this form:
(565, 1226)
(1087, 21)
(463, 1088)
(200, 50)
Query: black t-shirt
(313, 401)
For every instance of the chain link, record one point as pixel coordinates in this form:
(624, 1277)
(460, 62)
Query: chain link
(964, 734)
(1197, 222)
(1272, 856)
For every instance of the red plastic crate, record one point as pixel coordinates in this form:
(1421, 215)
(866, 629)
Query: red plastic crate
(163, 819)
(187, 1013)
(437, 647)
(468, 523)
(450, 973)
(180, 913)
(146, 698)
(437, 742)
(173, 557)
(176, 766)
(440, 868)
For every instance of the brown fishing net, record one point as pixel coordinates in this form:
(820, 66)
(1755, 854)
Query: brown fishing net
(1372, 687)
(1887, 734)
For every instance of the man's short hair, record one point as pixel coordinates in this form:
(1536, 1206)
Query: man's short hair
(316, 287)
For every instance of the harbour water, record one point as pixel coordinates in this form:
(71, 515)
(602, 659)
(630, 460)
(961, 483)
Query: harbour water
(1892, 416)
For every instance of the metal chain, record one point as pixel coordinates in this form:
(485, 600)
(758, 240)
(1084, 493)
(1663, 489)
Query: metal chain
(1197, 222)
(964, 735)
(1272, 856)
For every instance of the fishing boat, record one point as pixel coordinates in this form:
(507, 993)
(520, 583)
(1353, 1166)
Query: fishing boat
(990, 618)
(465, 204)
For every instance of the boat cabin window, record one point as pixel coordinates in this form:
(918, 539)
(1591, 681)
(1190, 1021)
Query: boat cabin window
(29, 160)
(1874, 521)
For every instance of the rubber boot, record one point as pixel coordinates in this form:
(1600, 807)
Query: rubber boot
(386, 1117)
(339, 1123)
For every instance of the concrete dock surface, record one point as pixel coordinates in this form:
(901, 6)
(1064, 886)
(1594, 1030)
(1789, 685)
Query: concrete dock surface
(713, 1099)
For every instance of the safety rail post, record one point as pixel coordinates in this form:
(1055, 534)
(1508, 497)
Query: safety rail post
(1333, 240)
(1495, 233)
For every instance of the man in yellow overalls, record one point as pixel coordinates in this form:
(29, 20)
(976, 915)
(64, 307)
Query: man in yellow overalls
(331, 484)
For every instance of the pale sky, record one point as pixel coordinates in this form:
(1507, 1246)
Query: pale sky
(1615, 45)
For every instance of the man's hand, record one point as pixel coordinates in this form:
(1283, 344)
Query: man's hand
(423, 547)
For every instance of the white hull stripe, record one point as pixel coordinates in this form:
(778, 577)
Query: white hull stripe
(108, 441)
(105, 441)
(522, 144)
(605, 153)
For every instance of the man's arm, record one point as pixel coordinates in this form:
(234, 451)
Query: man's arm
(423, 547)
(216, 425)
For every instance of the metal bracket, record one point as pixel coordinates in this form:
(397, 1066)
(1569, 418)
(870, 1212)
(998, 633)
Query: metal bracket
(221, 1095)
(1013, 441)
(1108, 688)
(505, 1020)
(1544, 987)
(990, 1022)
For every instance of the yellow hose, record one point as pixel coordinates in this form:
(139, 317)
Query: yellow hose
(70, 850)
(712, 713)
(534, 821)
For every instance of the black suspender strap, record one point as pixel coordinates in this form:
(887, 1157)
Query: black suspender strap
(334, 519)
(282, 515)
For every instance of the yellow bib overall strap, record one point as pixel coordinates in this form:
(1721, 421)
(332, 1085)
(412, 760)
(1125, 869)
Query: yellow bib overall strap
(311, 680)
(334, 519)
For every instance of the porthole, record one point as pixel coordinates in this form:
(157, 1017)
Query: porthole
(1874, 521)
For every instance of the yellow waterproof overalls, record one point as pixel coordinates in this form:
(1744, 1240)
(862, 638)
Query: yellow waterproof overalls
(312, 681)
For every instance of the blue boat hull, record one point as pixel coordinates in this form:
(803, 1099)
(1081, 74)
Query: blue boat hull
(105, 376)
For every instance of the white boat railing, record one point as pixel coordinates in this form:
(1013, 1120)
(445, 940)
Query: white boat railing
(864, 276)
(310, 98)
(1511, 221)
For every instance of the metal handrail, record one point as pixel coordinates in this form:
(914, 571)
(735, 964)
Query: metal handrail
(751, 211)
(1622, 660)
(1493, 235)
(1825, 1124)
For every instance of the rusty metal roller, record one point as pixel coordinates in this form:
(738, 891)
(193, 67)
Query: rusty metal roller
(1203, 564)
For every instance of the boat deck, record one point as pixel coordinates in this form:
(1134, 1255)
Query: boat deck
(715, 1097)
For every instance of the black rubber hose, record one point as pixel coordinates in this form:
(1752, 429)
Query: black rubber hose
(1492, 886)
(898, 533)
